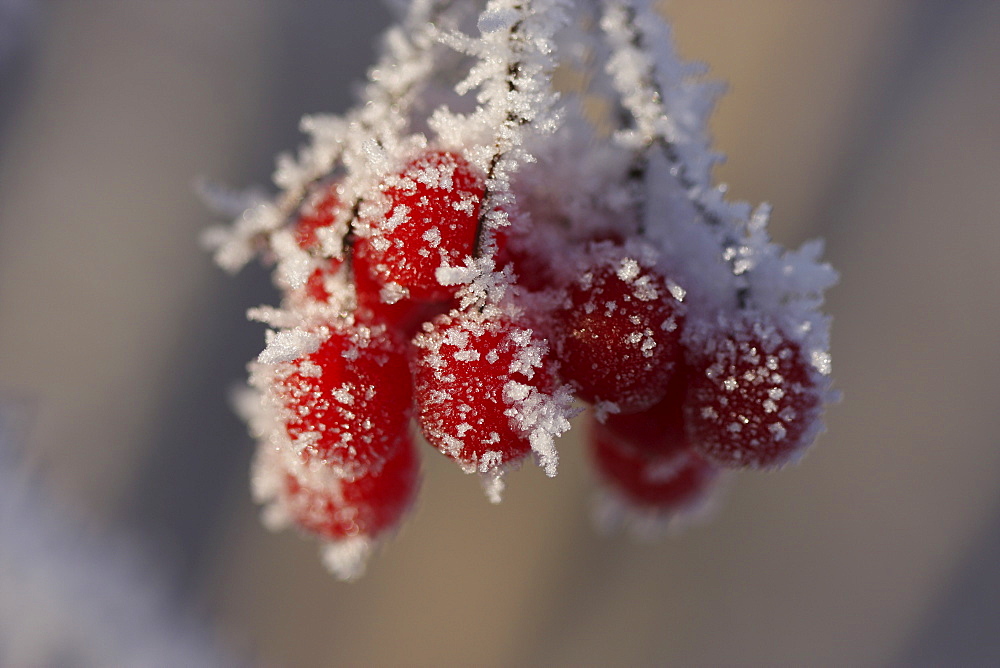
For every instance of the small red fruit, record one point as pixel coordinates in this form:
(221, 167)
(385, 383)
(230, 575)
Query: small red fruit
(484, 390)
(618, 335)
(349, 402)
(666, 481)
(430, 222)
(753, 400)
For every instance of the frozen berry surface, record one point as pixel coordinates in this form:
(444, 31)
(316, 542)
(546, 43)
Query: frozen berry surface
(348, 403)
(320, 211)
(753, 399)
(431, 218)
(334, 508)
(660, 429)
(618, 335)
(665, 481)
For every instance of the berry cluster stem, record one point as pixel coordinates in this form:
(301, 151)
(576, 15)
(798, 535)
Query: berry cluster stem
(621, 16)
(511, 121)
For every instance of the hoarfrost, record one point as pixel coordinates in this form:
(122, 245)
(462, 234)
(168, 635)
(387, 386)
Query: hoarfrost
(347, 559)
(289, 345)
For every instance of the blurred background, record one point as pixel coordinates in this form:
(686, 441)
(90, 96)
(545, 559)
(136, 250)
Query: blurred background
(127, 533)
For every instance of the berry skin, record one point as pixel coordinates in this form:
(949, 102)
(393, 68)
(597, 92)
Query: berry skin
(481, 384)
(335, 508)
(403, 315)
(349, 402)
(753, 400)
(431, 221)
(618, 335)
(531, 267)
(315, 288)
(665, 481)
(659, 430)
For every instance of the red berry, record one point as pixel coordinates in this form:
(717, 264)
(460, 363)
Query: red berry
(431, 221)
(334, 508)
(659, 430)
(403, 315)
(321, 210)
(753, 399)
(349, 402)
(618, 335)
(666, 481)
(484, 390)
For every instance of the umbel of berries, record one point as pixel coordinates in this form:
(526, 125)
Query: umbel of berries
(465, 252)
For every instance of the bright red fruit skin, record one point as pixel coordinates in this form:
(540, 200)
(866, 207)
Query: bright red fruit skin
(334, 508)
(660, 429)
(471, 374)
(403, 315)
(349, 402)
(431, 221)
(618, 339)
(753, 400)
(666, 481)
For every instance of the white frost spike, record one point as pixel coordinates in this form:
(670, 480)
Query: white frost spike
(294, 264)
(493, 485)
(289, 345)
(347, 559)
(234, 246)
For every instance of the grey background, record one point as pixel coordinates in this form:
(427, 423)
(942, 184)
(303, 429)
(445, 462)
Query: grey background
(872, 124)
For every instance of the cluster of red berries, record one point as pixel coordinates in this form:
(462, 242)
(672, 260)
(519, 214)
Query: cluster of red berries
(484, 292)
(490, 383)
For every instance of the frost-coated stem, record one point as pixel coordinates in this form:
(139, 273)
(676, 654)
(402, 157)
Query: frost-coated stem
(634, 74)
(512, 120)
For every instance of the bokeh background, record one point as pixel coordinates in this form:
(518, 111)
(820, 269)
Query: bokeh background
(127, 534)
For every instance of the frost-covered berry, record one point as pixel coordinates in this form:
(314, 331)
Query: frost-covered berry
(617, 335)
(660, 429)
(667, 481)
(430, 221)
(753, 399)
(334, 508)
(486, 392)
(378, 303)
(349, 402)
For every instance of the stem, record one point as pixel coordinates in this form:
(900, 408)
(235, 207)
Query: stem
(655, 137)
(511, 120)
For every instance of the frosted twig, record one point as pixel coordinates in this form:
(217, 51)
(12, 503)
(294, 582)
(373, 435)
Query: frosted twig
(634, 75)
